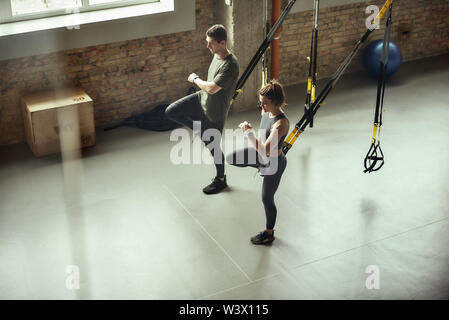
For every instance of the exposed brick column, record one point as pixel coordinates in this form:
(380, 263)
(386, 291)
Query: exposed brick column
(247, 17)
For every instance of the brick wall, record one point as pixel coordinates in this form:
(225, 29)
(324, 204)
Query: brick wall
(122, 78)
(129, 77)
(341, 27)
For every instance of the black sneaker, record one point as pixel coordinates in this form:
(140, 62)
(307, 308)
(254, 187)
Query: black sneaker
(216, 186)
(263, 238)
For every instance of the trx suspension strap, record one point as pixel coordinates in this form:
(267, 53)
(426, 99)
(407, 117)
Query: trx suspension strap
(263, 47)
(311, 82)
(305, 120)
(374, 159)
(264, 57)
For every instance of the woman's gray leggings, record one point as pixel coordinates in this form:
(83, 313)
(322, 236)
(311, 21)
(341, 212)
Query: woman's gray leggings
(246, 158)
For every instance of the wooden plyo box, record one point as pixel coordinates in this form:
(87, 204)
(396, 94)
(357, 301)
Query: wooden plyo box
(51, 115)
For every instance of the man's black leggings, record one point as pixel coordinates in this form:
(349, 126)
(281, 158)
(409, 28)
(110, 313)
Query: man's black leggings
(187, 110)
(246, 158)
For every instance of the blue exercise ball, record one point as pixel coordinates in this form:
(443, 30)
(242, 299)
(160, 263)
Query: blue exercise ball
(373, 55)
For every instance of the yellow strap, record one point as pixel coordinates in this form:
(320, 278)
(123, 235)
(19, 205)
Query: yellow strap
(264, 77)
(374, 132)
(384, 9)
(313, 98)
(292, 137)
(309, 85)
(286, 145)
(295, 137)
(239, 91)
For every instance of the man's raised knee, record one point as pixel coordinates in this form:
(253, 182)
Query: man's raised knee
(169, 112)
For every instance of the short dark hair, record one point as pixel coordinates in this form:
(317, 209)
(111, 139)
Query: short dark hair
(218, 33)
(274, 91)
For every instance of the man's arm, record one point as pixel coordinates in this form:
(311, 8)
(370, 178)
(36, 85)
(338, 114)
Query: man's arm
(208, 86)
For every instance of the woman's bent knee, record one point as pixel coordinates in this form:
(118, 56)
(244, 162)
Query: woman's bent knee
(230, 158)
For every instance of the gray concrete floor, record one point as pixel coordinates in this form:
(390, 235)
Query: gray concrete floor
(139, 227)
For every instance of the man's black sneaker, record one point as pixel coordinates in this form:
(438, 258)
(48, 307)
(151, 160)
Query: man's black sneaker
(263, 238)
(216, 186)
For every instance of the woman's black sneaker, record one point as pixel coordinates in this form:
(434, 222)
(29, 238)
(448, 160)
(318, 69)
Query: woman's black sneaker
(263, 238)
(216, 186)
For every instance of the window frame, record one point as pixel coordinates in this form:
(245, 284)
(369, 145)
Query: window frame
(6, 14)
(171, 16)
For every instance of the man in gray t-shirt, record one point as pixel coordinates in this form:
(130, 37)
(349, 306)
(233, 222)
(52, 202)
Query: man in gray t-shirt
(210, 106)
(224, 73)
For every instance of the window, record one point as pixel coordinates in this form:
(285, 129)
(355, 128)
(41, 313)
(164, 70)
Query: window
(19, 10)
(42, 36)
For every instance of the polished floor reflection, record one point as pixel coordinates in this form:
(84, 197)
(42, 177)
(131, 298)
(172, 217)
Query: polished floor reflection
(137, 226)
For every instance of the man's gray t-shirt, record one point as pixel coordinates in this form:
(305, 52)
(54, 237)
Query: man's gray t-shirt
(224, 72)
